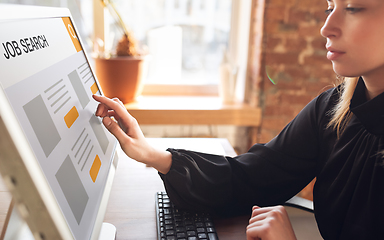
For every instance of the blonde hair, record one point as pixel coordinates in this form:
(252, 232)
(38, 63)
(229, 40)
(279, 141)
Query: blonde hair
(341, 113)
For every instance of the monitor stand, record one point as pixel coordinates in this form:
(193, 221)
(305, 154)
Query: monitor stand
(15, 228)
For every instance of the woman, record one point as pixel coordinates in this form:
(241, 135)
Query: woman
(337, 138)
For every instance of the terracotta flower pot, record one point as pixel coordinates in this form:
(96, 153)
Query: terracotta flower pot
(121, 77)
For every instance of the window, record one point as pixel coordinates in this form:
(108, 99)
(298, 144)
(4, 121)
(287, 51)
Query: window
(186, 38)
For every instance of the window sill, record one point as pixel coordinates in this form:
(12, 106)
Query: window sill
(180, 90)
(192, 110)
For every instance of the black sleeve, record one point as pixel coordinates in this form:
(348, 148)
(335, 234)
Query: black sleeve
(268, 174)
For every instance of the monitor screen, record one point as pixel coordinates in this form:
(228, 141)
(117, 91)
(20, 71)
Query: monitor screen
(49, 84)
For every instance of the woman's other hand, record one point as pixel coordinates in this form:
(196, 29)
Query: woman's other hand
(270, 223)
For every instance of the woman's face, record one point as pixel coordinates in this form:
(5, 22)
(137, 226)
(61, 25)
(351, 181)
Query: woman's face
(354, 30)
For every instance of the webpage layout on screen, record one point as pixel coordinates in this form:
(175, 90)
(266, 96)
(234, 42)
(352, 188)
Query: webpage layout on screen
(49, 84)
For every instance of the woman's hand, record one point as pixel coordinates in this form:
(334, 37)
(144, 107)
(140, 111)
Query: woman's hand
(270, 223)
(128, 133)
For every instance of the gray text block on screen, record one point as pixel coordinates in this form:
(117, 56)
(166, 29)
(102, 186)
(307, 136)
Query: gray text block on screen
(79, 88)
(98, 129)
(42, 124)
(72, 188)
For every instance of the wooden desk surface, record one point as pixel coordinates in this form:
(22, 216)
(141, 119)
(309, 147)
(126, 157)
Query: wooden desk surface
(131, 206)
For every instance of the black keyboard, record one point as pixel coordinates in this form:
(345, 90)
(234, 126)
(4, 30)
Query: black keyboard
(173, 223)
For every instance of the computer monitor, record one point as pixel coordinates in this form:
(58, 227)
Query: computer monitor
(56, 158)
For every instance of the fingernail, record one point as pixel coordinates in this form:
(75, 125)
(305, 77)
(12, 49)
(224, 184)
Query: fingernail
(107, 121)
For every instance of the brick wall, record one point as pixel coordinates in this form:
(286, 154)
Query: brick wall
(291, 51)
(286, 45)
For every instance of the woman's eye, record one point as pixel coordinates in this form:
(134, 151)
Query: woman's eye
(353, 10)
(328, 11)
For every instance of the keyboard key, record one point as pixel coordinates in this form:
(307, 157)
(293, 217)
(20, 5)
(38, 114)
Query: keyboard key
(202, 236)
(179, 224)
(168, 222)
(209, 224)
(200, 230)
(199, 224)
(212, 236)
(169, 232)
(190, 228)
(169, 227)
(191, 233)
(181, 235)
(188, 222)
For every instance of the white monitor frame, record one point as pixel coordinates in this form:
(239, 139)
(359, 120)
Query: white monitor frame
(19, 168)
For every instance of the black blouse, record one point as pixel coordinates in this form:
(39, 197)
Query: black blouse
(349, 190)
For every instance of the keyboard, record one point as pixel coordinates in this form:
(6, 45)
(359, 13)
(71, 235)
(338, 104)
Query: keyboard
(175, 224)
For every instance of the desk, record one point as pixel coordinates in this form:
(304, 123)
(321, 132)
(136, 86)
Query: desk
(131, 207)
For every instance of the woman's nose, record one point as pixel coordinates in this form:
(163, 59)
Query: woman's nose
(331, 26)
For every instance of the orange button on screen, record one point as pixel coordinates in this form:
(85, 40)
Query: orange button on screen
(94, 88)
(95, 168)
(71, 117)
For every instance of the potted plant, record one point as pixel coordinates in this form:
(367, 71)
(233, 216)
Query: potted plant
(121, 73)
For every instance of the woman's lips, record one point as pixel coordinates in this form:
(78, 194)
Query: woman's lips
(331, 55)
(334, 54)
